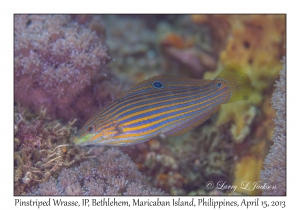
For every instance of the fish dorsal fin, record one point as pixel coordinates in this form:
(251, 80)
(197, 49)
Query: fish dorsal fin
(185, 126)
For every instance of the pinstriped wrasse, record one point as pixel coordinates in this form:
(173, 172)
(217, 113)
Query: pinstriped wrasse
(163, 105)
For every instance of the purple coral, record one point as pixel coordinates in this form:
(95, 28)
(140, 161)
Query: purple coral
(42, 147)
(57, 58)
(111, 173)
(274, 173)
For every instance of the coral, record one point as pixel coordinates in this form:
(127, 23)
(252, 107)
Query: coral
(58, 60)
(44, 150)
(244, 178)
(207, 154)
(274, 173)
(256, 43)
(110, 173)
(184, 164)
(42, 147)
(242, 126)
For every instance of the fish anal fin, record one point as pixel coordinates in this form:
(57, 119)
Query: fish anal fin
(163, 136)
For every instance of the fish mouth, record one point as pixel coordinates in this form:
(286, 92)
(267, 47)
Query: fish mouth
(81, 140)
(76, 140)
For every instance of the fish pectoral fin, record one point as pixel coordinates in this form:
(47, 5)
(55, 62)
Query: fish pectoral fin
(188, 125)
(112, 125)
(119, 129)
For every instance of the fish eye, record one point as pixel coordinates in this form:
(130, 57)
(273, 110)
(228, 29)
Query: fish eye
(90, 128)
(157, 84)
(219, 84)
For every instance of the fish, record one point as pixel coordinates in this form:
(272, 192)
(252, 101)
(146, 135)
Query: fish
(163, 106)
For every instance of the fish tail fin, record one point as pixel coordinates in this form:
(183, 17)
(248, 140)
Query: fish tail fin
(238, 81)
